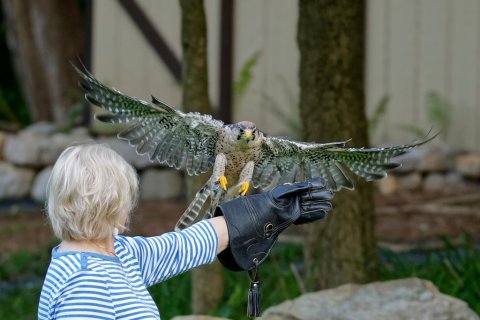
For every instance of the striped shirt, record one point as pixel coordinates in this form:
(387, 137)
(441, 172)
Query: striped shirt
(87, 285)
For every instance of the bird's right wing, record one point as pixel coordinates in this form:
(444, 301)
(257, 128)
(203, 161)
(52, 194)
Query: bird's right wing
(167, 135)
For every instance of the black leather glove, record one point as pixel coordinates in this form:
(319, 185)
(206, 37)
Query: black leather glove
(255, 222)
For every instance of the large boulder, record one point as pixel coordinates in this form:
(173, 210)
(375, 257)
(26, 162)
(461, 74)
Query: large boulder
(388, 185)
(3, 137)
(468, 165)
(38, 145)
(24, 149)
(57, 142)
(438, 158)
(14, 182)
(40, 183)
(197, 317)
(394, 300)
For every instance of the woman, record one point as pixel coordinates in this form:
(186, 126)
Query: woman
(97, 274)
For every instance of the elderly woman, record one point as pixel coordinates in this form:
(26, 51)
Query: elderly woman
(97, 274)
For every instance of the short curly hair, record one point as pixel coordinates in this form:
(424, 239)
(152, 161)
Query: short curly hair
(91, 188)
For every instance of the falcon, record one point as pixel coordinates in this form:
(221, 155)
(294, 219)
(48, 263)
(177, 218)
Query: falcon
(240, 155)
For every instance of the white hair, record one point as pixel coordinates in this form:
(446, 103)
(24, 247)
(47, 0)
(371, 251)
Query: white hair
(90, 190)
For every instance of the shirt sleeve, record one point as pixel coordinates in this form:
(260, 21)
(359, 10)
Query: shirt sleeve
(85, 296)
(172, 253)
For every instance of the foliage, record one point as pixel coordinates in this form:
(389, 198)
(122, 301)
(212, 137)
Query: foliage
(20, 304)
(245, 77)
(74, 116)
(439, 113)
(378, 113)
(287, 118)
(23, 265)
(243, 83)
(454, 270)
(173, 296)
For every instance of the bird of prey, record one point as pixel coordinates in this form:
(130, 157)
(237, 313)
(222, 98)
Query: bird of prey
(240, 154)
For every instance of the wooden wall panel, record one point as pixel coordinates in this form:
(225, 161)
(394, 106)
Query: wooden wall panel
(464, 80)
(413, 46)
(431, 45)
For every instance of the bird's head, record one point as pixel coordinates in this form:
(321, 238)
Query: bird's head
(246, 132)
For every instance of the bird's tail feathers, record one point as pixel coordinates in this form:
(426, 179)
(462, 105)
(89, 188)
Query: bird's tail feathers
(193, 210)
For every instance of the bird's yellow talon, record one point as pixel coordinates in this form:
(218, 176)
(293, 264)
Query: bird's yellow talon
(244, 188)
(223, 182)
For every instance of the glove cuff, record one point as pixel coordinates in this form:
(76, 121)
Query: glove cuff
(251, 234)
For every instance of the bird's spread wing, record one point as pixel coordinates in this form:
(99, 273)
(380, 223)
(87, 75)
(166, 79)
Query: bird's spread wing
(283, 159)
(167, 135)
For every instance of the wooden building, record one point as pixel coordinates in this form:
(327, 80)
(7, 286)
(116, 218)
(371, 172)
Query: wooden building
(412, 48)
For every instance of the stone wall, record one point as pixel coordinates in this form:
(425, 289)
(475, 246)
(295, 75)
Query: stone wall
(433, 168)
(26, 160)
(27, 157)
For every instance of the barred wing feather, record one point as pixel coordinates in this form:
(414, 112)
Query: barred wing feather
(281, 160)
(167, 135)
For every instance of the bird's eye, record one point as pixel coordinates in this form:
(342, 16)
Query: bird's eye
(241, 130)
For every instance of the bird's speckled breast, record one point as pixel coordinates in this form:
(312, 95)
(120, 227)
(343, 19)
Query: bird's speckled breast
(237, 157)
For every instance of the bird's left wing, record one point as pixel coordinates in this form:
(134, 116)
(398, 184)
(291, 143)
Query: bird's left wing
(167, 135)
(282, 159)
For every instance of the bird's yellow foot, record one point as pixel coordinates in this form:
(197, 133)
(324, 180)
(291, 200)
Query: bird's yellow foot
(223, 182)
(244, 188)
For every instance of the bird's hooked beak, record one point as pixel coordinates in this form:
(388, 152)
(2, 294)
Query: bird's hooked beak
(247, 135)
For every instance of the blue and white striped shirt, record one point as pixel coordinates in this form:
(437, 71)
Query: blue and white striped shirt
(86, 285)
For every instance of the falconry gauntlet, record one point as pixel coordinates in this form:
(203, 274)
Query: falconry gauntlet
(255, 222)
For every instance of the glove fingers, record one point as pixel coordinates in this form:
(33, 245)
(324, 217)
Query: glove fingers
(314, 195)
(316, 206)
(311, 216)
(286, 190)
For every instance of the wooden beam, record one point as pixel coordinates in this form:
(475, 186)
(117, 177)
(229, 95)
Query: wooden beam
(153, 37)
(226, 60)
(87, 56)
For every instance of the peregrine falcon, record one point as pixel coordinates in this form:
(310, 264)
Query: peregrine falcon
(239, 153)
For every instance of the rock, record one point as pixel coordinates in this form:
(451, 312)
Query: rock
(80, 133)
(58, 142)
(388, 185)
(468, 165)
(161, 184)
(128, 153)
(39, 186)
(198, 317)
(410, 182)
(438, 158)
(38, 146)
(394, 300)
(434, 182)
(454, 181)
(43, 128)
(3, 137)
(409, 161)
(24, 148)
(14, 182)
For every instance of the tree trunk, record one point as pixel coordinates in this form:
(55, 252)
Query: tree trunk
(342, 248)
(207, 286)
(43, 36)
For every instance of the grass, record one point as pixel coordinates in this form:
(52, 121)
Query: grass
(454, 270)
